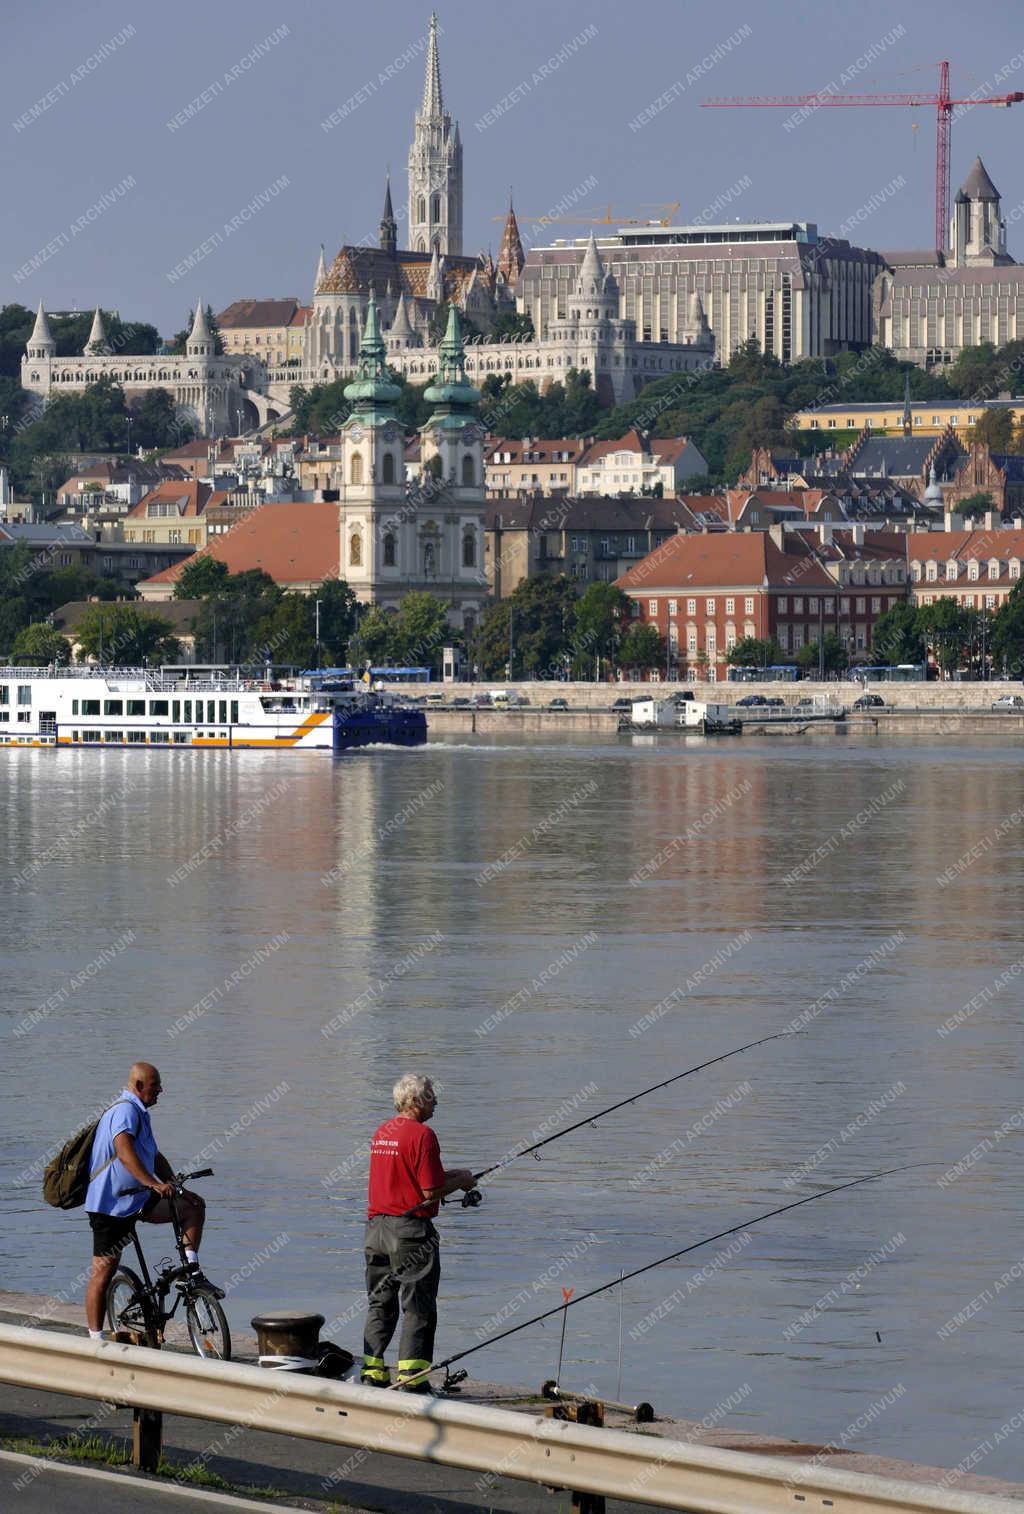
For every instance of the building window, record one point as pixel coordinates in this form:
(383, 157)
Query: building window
(876, 605)
(691, 638)
(691, 607)
(709, 606)
(468, 472)
(860, 606)
(931, 572)
(972, 569)
(355, 468)
(730, 607)
(748, 606)
(389, 549)
(830, 606)
(990, 601)
(469, 550)
(387, 470)
(798, 606)
(652, 607)
(355, 550)
(783, 605)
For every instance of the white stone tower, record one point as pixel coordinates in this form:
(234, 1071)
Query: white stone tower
(978, 231)
(435, 167)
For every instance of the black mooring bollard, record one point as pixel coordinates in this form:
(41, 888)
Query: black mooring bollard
(288, 1333)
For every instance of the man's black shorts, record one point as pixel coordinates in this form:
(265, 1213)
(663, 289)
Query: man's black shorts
(111, 1231)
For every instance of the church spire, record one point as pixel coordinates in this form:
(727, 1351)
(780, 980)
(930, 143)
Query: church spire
(435, 278)
(908, 414)
(510, 255)
(388, 224)
(321, 271)
(433, 102)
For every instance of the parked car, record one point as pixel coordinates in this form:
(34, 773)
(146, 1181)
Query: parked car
(807, 703)
(480, 702)
(869, 702)
(559, 704)
(776, 702)
(460, 702)
(623, 704)
(1008, 702)
(751, 699)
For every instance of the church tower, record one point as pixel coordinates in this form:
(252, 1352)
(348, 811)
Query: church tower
(372, 471)
(978, 231)
(435, 167)
(41, 346)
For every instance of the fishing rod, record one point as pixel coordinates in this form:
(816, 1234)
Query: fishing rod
(672, 1257)
(473, 1196)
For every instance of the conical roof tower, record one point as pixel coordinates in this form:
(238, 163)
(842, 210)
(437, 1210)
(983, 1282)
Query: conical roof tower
(97, 346)
(372, 392)
(41, 343)
(321, 271)
(200, 340)
(510, 255)
(388, 224)
(451, 392)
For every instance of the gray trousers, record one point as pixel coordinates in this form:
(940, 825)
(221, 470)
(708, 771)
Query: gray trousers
(403, 1270)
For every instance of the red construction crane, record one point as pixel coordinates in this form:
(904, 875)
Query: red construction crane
(943, 123)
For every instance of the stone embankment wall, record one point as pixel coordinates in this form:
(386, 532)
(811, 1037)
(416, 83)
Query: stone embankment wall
(599, 696)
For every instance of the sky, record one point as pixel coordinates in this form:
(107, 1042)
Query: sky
(151, 154)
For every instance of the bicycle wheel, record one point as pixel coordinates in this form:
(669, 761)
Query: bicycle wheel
(207, 1328)
(129, 1307)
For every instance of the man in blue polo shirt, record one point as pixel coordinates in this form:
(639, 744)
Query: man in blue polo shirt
(129, 1181)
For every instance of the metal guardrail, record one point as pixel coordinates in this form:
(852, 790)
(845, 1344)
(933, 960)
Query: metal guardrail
(664, 1473)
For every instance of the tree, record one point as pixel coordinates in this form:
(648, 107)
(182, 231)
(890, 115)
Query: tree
(1008, 633)
(157, 422)
(121, 634)
(975, 505)
(376, 638)
(829, 657)
(599, 615)
(421, 630)
(200, 577)
(509, 326)
(755, 652)
(946, 626)
(642, 647)
(897, 636)
(339, 616)
(994, 427)
(39, 644)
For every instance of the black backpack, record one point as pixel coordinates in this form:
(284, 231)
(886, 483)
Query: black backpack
(67, 1178)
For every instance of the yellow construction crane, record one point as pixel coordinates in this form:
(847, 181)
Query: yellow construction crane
(667, 207)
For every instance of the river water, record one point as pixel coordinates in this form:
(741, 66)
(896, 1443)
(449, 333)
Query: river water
(547, 927)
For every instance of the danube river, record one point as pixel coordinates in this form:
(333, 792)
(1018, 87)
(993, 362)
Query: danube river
(547, 927)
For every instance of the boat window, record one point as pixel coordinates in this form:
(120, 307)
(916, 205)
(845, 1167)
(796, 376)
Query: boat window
(159, 707)
(24, 693)
(5, 692)
(90, 706)
(136, 737)
(188, 712)
(211, 705)
(180, 737)
(223, 711)
(136, 707)
(112, 736)
(113, 706)
(161, 738)
(74, 706)
(90, 735)
(175, 710)
(234, 712)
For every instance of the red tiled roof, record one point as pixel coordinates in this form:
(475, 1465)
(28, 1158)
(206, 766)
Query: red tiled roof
(190, 497)
(666, 449)
(258, 313)
(541, 447)
(961, 545)
(729, 559)
(294, 543)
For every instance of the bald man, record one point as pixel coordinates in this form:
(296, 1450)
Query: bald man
(129, 1181)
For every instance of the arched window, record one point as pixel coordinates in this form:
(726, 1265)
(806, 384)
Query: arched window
(428, 559)
(469, 550)
(355, 469)
(389, 549)
(421, 208)
(435, 208)
(355, 550)
(387, 471)
(468, 470)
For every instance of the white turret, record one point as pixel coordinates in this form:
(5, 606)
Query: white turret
(400, 334)
(96, 346)
(321, 271)
(200, 342)
(435, 278)
(596, 297)
(41, 344)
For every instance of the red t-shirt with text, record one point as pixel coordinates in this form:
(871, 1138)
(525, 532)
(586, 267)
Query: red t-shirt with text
(405, 1160)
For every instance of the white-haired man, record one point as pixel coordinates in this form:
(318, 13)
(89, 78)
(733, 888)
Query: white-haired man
(403, 1264)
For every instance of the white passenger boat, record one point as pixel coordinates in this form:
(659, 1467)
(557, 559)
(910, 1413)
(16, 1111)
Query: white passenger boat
(135, 707)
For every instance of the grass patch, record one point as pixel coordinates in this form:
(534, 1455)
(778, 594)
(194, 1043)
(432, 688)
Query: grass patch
(74, 1447)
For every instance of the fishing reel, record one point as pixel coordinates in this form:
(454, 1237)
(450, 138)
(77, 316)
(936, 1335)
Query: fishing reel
(472, 1198)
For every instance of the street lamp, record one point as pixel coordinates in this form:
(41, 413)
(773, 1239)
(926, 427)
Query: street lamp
(317, 609)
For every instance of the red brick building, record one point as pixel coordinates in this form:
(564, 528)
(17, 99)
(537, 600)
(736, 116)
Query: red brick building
(706, 592)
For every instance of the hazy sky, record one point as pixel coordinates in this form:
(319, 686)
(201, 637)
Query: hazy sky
(110, 186)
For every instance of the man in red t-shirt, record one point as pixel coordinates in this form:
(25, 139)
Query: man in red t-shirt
(403, 1264)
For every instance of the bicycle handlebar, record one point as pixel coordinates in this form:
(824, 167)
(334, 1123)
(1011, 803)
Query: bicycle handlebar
(185, 1177)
